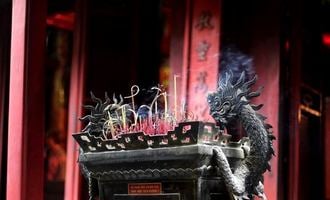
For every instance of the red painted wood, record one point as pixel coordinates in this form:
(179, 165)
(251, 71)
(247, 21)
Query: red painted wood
(73, 177)
(197, 97)
(178, 47)
(294, 146)
(295, 71)
(267, 54)
(15, 179)
(264, 48)
(181, 70)
(193, 67)
(327, 148)
(26, 102)
(63, 20)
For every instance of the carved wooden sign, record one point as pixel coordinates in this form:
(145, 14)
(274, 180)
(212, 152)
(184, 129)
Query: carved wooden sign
(204, 21)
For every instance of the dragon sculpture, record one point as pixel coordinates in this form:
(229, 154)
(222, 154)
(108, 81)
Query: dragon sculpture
(230, 104)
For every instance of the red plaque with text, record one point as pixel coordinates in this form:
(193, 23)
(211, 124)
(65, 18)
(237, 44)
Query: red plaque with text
(144, 188)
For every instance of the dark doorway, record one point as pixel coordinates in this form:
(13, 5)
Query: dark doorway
(5, 39)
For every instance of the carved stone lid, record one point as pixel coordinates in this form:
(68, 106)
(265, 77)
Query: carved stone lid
(186, 133)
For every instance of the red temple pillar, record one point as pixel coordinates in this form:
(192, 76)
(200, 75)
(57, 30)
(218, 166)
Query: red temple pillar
(267, 54)
(25, 175)
(73, 176)
(295, 48)
(198, 72)
(265, 51)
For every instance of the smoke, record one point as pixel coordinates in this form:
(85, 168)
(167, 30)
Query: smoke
(232, 59)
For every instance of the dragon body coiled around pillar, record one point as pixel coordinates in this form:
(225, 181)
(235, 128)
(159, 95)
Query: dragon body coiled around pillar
(231, 104)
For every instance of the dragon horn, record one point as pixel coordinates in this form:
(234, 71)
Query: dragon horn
(95, 99)
(250, 82)
(220, 85)
(255, 94)
(228, 77)
(240, 81)
(121, 100)
(88, 107)
(256, 107)
(240, 95)
(114, 98)
(107, 99)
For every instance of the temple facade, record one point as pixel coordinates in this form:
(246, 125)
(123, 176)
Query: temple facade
(54, 53)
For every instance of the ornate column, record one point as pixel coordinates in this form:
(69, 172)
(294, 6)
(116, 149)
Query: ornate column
(25, 178)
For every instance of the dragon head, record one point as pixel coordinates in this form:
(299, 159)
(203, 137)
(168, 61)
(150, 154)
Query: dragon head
(226, 103)
(221, 109)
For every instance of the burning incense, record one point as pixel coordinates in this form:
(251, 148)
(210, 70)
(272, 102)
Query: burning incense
(140, 124)
(175, 96)
(110, 124)
(134, 87)
(156, 110)
(123, 115)
(135, 116)
(154, 101)
(165, 105)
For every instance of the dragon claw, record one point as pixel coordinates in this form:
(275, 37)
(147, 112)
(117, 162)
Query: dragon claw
(260, 191)
(244, 196)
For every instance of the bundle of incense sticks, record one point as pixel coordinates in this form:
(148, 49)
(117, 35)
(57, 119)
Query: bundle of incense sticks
(157, 118)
